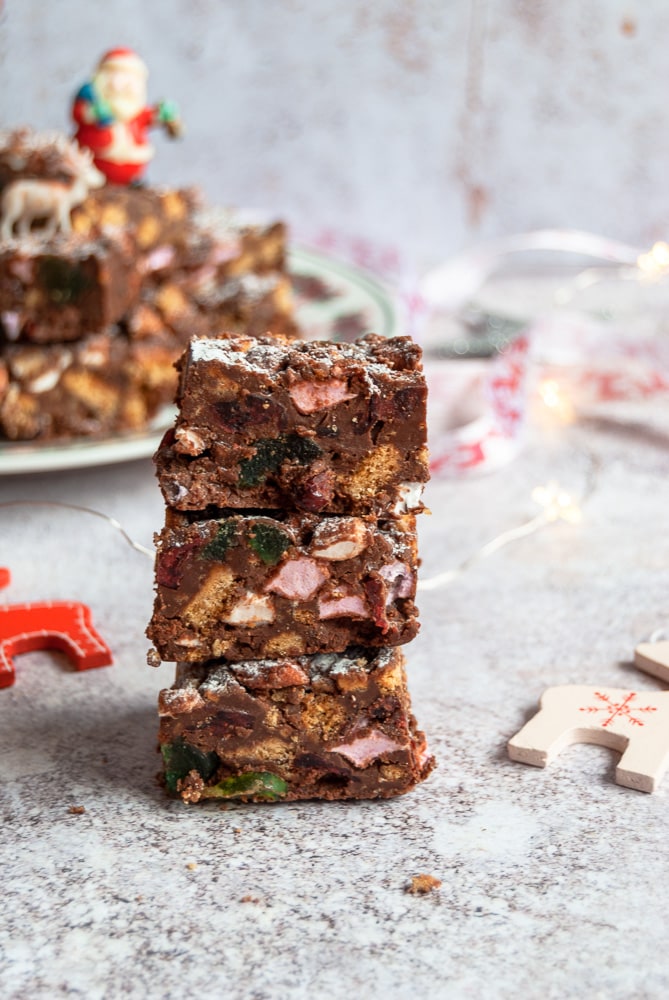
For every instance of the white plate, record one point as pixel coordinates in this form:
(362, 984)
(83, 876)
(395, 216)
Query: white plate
(334, 301)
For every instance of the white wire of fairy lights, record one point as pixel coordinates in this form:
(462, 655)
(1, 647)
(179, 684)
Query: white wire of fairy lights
(79, 508)
(648, 267)
(451, 285)
(556, 505)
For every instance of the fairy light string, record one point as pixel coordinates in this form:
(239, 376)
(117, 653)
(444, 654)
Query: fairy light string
(452, 285)
(556, 505)
(648, 267)
(79, 508)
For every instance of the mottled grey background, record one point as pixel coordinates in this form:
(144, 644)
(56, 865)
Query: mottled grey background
(423, 125)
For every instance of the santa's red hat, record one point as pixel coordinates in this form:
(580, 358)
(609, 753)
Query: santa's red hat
(125, 58)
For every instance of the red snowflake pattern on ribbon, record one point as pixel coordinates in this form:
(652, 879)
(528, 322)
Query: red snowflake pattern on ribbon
(611, 386)
(618, 709)
(494, 437)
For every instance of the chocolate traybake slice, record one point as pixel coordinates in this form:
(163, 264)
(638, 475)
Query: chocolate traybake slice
(256, 585)
(64, 288)
(320, 427)
(97, 384)
(329, 726)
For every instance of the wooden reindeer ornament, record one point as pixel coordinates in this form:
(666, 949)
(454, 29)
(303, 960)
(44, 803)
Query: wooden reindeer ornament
(634, 723)
(26, 200)
(62, 625)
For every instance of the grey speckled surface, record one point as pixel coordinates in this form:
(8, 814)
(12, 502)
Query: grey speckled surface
(553, 881)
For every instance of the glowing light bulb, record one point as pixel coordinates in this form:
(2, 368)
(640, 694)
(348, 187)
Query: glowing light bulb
(655, 263)
(556, 400)
(557, 503)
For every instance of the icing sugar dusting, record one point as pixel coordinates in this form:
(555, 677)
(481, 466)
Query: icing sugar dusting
(323, 356)
(260, 357)
(220, 678)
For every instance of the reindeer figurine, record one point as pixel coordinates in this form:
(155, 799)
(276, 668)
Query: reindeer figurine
(62, 625)
(636, 724)
(25, 200)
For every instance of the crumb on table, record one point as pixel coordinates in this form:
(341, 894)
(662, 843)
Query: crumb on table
(420, 885)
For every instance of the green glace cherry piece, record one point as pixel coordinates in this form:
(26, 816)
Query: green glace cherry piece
(259, 784)
(63, 282)
(225, 535)
(271, 453)
(180, 759)
(269, 542)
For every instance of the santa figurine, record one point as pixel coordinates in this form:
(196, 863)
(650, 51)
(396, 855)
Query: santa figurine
(113, 118)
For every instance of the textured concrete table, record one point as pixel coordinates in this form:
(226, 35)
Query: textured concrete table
(554, 882)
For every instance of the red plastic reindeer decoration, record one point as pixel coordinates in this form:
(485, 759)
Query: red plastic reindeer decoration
(62, 625)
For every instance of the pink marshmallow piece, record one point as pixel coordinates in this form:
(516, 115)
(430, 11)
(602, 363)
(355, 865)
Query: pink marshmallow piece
(24, 269)
(400, 579)
(158, 259)
(298, 579)
(363, 751)
(309, 397)
(350, 605)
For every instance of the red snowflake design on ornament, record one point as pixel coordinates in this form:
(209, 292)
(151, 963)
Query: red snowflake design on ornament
(622, 709)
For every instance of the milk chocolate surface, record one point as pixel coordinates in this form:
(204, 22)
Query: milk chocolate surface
(64, 288)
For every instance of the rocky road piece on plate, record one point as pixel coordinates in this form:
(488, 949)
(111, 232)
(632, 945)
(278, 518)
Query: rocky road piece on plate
(155, 220)
(172, 231)
(252, 586)
(100, 384)
(251, 306)
(330, 726)
(25, 153)
(235, 274)
(65, 287)
(319, 427)
(202, 271)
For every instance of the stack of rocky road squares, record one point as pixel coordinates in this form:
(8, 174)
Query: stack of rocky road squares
(286, 570)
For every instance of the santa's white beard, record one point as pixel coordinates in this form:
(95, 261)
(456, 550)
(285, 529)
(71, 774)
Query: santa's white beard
(124, 108)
